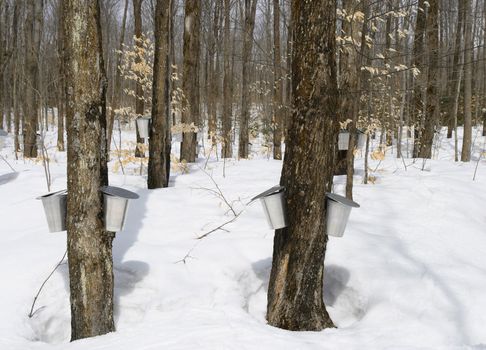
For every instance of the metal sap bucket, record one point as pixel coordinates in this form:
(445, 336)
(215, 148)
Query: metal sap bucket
(38, 140)
(177, 137)
(274, 206)
(337, 213)
(115, 206)
(3, 137)
(361, 139)
(343, 141)
(55, 207)
(143, 125)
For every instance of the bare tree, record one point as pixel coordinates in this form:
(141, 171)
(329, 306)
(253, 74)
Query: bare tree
(190, 78)
(139, 95)
(295, 299)
(33, 25)
(89, 245)
(227, 150)
(468, 63)
(159, 142)
(250, 11)
(431, 118)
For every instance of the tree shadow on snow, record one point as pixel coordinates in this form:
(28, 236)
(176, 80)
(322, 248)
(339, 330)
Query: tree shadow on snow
(129, 273)
(6, 178)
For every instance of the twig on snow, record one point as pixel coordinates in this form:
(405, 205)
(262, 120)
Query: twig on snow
(32, 312)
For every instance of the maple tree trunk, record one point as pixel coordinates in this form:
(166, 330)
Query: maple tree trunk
(190, 78)
(89, 245)
(227, 149)
(250, 10)
(159, 141)
(295, 292)
(432, 105)
(278, 120)
(468, 60)
(139, 95)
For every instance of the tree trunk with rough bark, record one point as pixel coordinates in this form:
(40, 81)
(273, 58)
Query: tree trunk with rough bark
(32, 42)
(278, 111)
(89, 244)
(159, 141)
(213, 85)
(61, 97)
(227, 147)
(295, 293)
(139, 102)
(190, 78)
(418, 61)
(115, 101)
(431, 118)
(468, 61)
(250, 11)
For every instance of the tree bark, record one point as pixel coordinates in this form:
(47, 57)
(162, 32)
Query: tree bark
(227, 147)
(139, 102)
(115, 102)
(159, 141)
(32, 42)
(418, 61)
(61, 98)
(278, 110)
(432, 104)
(468, 61)
(190, 78)
(89, 245)
(213, 86)
(295, 299)
(250, 11)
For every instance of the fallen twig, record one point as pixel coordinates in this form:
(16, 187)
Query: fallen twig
(32, 312)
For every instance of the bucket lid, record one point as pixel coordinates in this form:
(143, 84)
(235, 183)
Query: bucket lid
(3, 133)
(57, 193)
(145, 117)
(341, 199)
(119, 192)
(270, 191)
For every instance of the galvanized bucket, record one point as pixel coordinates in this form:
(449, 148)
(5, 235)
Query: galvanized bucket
(39, 141)
(343, 141)
(115, 207)
(55, 207)
(177, 137)
(273, 202)
(337, 214)
(143, 126)
(3, 137)
(361, 139)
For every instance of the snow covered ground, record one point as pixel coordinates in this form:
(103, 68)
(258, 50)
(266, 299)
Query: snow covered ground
(409, 273)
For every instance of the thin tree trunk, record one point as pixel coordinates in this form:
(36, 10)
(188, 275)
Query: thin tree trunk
(159, 153)
(278, 121)
(89, 245)
(227, 149)
(190, 79)
(115, 102)
(295, 297)
(61, 84)
(468, 61)
(431, 119)
(353, 61)
(418, 62)
(250, 11)
(139, 102)
(213, 80)
(32, 42)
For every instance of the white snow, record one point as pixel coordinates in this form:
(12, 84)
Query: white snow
(409, 273)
